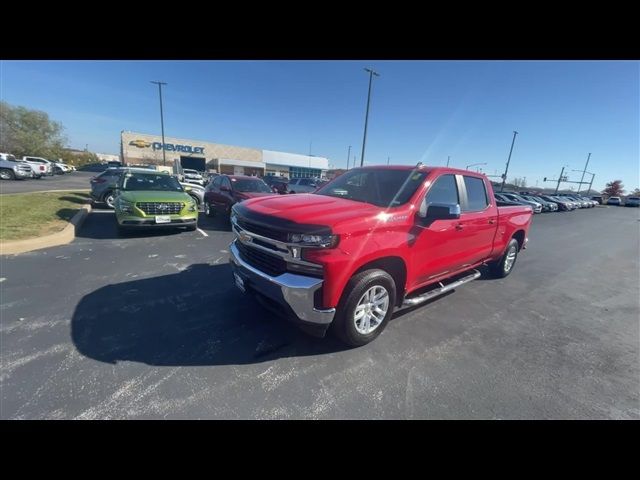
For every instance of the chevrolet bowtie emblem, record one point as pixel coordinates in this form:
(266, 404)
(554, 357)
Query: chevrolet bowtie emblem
(140, 143)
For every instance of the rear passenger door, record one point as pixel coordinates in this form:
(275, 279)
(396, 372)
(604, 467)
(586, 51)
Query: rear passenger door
(478, 219)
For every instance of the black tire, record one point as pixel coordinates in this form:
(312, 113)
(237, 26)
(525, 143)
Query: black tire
(7, 174)
(109, 198)
(344, 323)
(209, 211)
(503, 267)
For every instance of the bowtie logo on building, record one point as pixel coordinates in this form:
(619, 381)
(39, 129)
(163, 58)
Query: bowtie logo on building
(140, 143)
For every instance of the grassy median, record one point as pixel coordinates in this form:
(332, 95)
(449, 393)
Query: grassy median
(31, 215)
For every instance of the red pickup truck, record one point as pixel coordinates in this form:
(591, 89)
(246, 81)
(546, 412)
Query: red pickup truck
(372, 240)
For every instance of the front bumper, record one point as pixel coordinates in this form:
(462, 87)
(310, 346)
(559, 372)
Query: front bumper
(150, 222)
(23, 173)
(293, 293)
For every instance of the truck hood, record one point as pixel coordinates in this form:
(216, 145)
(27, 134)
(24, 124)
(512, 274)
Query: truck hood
(154, 196)
(248, 195)
(340, 215)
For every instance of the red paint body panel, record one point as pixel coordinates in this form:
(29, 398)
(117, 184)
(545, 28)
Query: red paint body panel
(368, 233)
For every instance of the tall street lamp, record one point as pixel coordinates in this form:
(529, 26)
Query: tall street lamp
(164, 157)
(366, 117)
(506, 170)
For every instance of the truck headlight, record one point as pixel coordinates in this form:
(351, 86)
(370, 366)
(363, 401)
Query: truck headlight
(314, 240)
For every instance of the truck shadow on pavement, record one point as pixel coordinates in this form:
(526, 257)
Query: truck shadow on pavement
(194, 317)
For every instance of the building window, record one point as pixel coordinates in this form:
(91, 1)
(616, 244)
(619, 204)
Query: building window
(301, 172)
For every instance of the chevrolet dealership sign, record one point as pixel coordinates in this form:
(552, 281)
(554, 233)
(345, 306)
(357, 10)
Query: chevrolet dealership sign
(169, 147)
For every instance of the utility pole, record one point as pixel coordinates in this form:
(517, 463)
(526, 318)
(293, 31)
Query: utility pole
(583, 172)
(348, 156)
(366, 117)
(448, 158)
(164, 157)
(593, 175)
(559, 180)
(506, 170)
(388, 159)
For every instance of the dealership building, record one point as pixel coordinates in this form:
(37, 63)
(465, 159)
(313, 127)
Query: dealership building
(144, 149)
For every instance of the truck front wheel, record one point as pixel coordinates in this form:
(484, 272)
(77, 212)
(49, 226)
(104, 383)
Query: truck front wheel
(365, 307)
(504, 266)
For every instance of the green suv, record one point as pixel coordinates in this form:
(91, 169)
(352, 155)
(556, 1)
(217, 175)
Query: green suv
(153, 199)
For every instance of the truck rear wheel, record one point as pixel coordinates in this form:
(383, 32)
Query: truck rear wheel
(504, 266)
(365, 307)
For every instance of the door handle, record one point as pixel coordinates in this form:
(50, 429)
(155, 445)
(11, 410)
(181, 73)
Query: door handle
(459, 226)
(492, 221)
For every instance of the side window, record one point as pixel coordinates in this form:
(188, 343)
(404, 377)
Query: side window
(226, 183)
(476, 194)
(305, 181)
(444, 190)
(293, 182)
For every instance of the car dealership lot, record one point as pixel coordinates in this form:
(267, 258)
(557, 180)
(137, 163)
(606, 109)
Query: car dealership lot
(152, 326)
(68, 181)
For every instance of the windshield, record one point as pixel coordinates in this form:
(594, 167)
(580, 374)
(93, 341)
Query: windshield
(146, 181)
(384, 187)
(246, 185)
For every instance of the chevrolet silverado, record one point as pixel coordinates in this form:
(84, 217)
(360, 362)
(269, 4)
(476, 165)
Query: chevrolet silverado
(372, 240)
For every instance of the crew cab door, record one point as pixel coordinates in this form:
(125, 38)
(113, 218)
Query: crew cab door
(445, 246)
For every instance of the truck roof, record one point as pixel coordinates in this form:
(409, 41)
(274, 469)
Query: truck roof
(423, 168)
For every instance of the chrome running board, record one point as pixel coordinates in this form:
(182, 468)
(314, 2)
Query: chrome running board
(440, 290)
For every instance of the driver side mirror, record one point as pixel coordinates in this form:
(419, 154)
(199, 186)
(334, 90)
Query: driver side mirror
(439, 211)
(187, 189)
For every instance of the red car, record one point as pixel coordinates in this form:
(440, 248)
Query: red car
(227, 190)
(371, 240)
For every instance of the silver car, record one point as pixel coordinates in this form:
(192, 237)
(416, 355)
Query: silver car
(303, 185)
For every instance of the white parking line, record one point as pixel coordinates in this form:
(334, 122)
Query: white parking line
(203, 232)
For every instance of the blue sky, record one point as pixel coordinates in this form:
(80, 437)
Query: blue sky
(420, 110)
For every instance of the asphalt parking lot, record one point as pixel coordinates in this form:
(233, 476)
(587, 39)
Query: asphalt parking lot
(152, 326)
(68, 181)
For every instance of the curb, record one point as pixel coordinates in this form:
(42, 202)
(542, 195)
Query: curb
(66, 235)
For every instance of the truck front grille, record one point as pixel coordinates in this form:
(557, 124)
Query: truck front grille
(160, 208)
(262, 231)
(272, 265)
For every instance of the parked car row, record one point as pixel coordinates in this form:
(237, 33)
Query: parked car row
(12, 168)
(545, 203)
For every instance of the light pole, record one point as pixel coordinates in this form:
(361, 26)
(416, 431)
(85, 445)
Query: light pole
(590, 183)
(506, 170)
(366, 117)
(348, 156)
(388, 160)
(559, 179)
(474, 164)
(164, 158)
(583, 172)
(448, 158)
